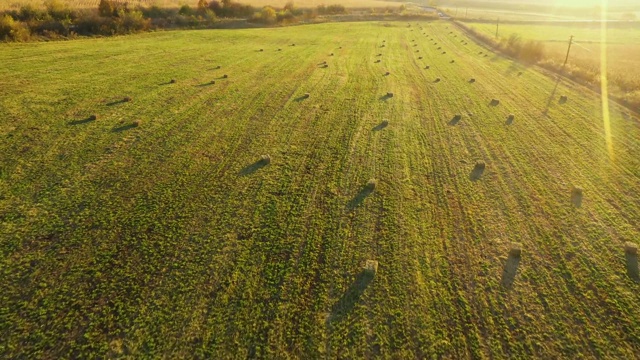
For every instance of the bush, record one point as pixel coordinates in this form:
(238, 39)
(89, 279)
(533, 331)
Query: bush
(58, 10)
(132, 21)
(266, 16)
(11, 30)
(106, 8)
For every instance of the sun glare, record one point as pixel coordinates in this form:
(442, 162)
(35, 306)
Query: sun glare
(603, 79)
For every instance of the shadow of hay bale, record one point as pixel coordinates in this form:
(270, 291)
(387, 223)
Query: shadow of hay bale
(477, 171)
(250, 169)
(83, 121)
(350, 298)
(381, 126)
(455, 120)
(510, 119)
(631, 255)
(367, 190)
(511, 266)
(133, 125)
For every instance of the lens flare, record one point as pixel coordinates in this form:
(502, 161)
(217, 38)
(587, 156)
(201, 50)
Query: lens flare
(604, 86)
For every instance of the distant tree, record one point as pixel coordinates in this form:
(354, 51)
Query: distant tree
(106, 8)
(202, 5)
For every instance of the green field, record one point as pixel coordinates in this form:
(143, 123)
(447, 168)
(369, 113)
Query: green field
(167, 239)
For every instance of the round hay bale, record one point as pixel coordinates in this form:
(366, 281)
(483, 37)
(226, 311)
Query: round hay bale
(631, 248)
(331, 54)
(387, 73)
(126, 99)
(390, 94)
(218, 67)
(439, 48)
(371, 184)
(265, 159)
(212, 82)
(437, 80)
(225, 76)
(427, 67)
(472, 80)
(385, 123)
(452, 61)
(371, 267)
(279, 49)
(420, 58)
(93, 117)
(563, 99)
(516, 250)
(293, 44)
(261, 50)
(444, 52)
(495, 102)
(306, 95)
(136, 123)
(172, 81)
(377, 61)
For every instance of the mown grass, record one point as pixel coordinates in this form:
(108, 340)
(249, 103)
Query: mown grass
(155, 241)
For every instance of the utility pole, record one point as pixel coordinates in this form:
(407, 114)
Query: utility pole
(497, 27)
(568, 49)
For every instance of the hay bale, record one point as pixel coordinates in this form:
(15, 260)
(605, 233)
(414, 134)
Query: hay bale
(420, 58)
(631, 248)
(93, 117)
(576, 196)
(379, 55)
(377, 61)
(472, 80)
(382, 46)
(495, 102)
(306, 95)
(126, 99)
(389, 94)
(384, 123)
(387, 73)
(371, 184)
(371, 267)
(331, 54)
(444, 52)
(261, 50)
(136, 123)
(218, 67)
(427, 67)
(417, 51)
(511, 117)
(515, 250)
(212, 82)
(265, 159)
(563, 99)
(480, 166)
(452, 61)
(293, 44)
(440, 48)
(325, 66)
(437, 80)
(225, 76)
(279, 49)
(172, 81)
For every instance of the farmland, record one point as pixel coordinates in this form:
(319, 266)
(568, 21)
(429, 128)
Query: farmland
(621, 41)
(155, 230)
